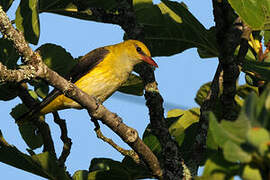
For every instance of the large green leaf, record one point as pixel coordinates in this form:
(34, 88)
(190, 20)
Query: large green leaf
(12, 156)
(50, 166)
(228, 131)
(6, 4)
(31, 135)
(254, 13)
(27, 20)
(169, 28)
(57, 58)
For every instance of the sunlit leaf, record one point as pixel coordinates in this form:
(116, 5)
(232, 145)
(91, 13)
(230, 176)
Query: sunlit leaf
(169, 28)
(257, 136)
(255, 13)
(27, 20)
(251, 173)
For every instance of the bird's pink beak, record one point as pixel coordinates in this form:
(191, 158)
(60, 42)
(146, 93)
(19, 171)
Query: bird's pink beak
(149, 60)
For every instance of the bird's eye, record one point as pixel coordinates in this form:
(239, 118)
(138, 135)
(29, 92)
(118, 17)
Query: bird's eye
(139, 50)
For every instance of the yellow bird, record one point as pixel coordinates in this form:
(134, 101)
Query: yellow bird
(99, 73)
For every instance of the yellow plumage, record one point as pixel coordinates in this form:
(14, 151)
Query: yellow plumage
(106, 76)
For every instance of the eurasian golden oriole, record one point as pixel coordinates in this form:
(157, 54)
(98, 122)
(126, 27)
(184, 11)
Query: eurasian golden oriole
(99, 73)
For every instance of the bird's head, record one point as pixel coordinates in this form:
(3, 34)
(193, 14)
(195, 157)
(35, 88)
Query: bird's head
(138, 52)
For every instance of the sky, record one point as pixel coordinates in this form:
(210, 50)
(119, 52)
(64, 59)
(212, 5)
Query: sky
(179, 77)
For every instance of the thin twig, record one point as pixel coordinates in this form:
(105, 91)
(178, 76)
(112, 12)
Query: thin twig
(67, 143)
(123, 151)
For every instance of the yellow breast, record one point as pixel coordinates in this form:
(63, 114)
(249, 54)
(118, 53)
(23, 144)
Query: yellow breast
(101, 82)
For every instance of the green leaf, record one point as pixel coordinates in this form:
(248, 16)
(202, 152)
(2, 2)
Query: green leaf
(151, 141)
(57, 58)
(169, 28)
(31, 135)
(80, 175)
(103, 168)
(216, 164)
(228, 131)
(18, 111)
(49, 164)
(79, 9)
(179, 128)
(266, 36)
(27, 20)
(8, 54)
(6, 4)
(12, 156)
(257, 136)
(28, 130)
(134, 85)
(42, 89)
(136, 171)
(254, 13)
(202, 93)
(251, 173)
(8, 91)
(234, 153)
(262, 69)
(244, 90)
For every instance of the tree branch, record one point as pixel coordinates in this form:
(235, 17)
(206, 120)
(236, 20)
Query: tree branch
(172, 162)
(228, 35)
(96, 110)
(67, 143)
(123, 151)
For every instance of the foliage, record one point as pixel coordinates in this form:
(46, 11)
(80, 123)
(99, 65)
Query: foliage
(234, 148)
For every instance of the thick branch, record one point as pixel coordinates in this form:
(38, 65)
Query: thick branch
(172, 167)
(228, 38)
(98, 111)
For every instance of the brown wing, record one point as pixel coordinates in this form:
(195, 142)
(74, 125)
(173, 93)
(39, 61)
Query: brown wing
(84, 65)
